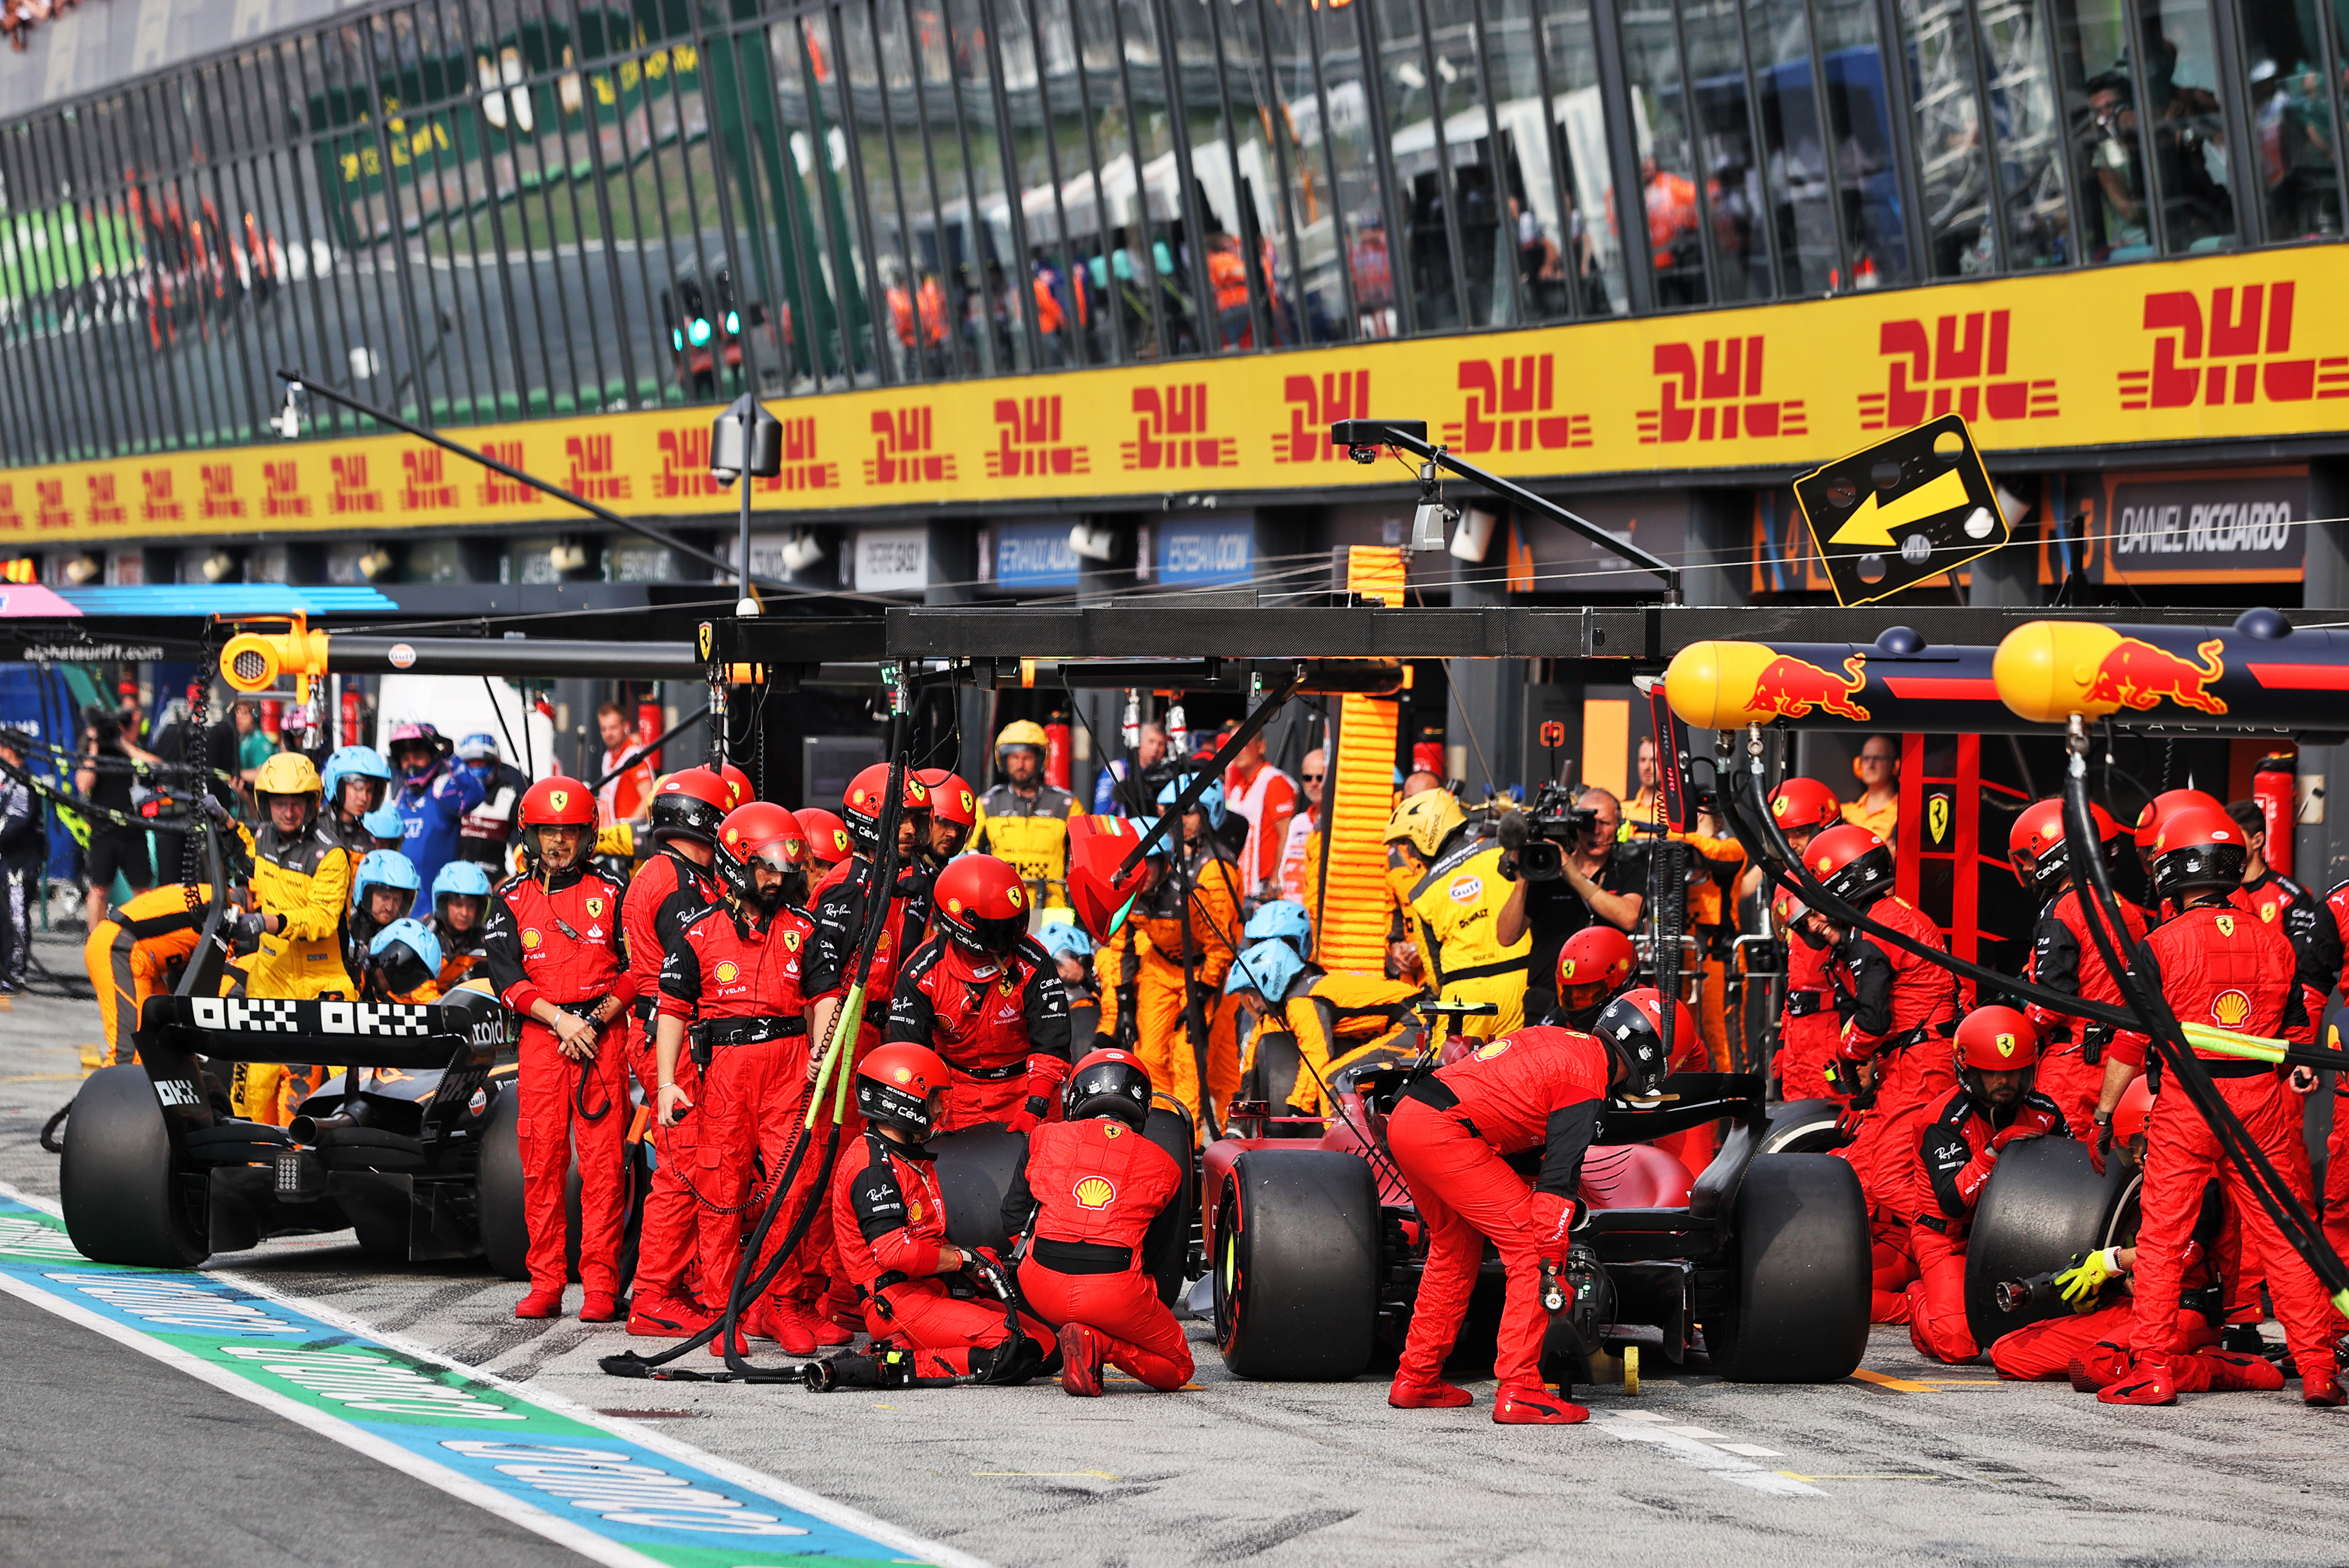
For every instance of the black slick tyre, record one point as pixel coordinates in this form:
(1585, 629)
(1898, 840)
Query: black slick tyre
(1294, 1258)
(121, 1189)
(1798, 1295)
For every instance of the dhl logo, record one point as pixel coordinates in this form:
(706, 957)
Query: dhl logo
(281, 491)
(351, 493)
(903, 452)
(1027, 441)
(426, 488)
(496, 489)
(157, 503)
(1315, 404)
(1960, 366)
(1509, 407)
(103, 507)
(2240, 325)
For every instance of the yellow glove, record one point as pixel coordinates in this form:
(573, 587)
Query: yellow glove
(2085, 1280)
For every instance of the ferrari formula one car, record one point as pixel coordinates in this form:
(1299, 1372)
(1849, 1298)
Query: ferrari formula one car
(411, 1144)
(1761, 1263)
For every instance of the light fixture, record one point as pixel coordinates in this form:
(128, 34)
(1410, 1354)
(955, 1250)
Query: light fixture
(81, 569)
(217, 565)
(288, 422)
(726, 442)
(801, 551)
(375, 564)
(1475, 534)
(568, 557)
(1094, 542)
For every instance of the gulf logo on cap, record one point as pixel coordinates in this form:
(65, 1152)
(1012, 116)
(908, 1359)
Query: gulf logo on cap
(1095, 1192)
(727, 972)
(2230, 1009)
(2005, 1044)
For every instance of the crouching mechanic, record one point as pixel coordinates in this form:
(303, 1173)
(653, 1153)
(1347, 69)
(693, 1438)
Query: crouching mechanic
(1542, 1088)
(1334, 1018)
(1965, 1132)
(554, 950)
(987, 998)
(955, 1308)
(1092, 1201)
(2219, 964)
(2090, 1345)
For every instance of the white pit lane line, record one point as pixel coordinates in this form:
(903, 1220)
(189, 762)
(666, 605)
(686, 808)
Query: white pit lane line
(1722, 1462)
(62, 1274)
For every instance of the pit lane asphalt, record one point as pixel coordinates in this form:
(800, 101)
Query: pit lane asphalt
(1973, 1471)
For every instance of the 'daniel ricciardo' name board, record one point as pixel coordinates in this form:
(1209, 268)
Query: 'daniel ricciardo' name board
(2236, 348)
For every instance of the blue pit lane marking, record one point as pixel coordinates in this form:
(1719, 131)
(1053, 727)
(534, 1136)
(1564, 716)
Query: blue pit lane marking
(611, 1494)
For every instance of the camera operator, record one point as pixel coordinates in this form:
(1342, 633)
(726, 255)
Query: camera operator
(104, 778)
(1598, 880)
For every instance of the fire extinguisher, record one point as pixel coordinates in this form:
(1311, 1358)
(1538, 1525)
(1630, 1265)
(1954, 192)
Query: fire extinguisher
(2272, 786)
(350, 716)
(1057, 748)
(649, 725)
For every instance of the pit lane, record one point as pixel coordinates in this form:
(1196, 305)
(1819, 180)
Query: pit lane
(1912, 1461)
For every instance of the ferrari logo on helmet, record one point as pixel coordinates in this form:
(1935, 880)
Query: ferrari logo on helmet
(2226, 924)
(2231, 1009)
(919, 791)
(2005, 1044)
(903, 1076)
(727, 972)
(840, 840)
(1566, 969)
(1095, 1192)
(1780, 806)
(1016, 894)
(559, 799)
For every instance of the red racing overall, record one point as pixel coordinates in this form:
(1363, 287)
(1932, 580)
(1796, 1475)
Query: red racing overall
(2065, 957)
(1000, 1026)
(1099, 1194)
(2222, 966)
(665, 892)
(2336, 1164)
(1808, 1030)
(890, 1224)
(1541, 1087)
(559, 938)
(739, 979)
(1957, 1151)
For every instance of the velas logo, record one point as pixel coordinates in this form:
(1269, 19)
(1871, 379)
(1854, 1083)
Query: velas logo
(727, 972)
(529, 937)
(2226, 924)
(2005, 1044)
(1095, 1192)
(1487, 1053)
(2231, 1009)
(1466, 890)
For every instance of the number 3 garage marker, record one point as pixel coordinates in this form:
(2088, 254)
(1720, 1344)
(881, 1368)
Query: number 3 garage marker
(607, 1492)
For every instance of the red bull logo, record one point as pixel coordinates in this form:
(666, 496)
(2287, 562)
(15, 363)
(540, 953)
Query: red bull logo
(1789, 688)
(2138, 675)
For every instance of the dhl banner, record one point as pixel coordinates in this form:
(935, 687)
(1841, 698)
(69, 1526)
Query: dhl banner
(2237, 346)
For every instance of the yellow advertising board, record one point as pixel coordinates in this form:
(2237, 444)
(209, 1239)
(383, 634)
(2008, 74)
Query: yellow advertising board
(2247, 346)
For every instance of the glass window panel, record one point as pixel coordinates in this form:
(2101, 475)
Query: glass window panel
(1358, 194)
(992, 309)
(913, 69)
(1040, 95)
(2108, 132)
(1866, 189)
(1953, 164)
(1148, 196)
(865, 78)
(1479, 178)
(2027, 130)
(1267, 94)
(1664, 135)
(1529, 214)
(2178, 72)
(1733, 200)
(1588, 231)
(2291, 120)
(1799, 173)
(1425, 260)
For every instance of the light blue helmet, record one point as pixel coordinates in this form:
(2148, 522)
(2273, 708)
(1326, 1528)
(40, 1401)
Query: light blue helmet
(385, 868)
(1161, 847)
(477, 746)
(1285, 919)
(352, 762)
(418, 939)
(1268, 967)
(384, 822)
(1066, 937)
(460, 878)
(1211, 803)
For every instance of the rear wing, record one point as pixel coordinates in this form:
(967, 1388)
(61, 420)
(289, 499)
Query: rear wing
(468, 1027)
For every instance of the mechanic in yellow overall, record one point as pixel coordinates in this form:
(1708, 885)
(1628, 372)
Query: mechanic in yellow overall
(1452, 908)
(1025, 820)
(302, 881)
(1207, 924)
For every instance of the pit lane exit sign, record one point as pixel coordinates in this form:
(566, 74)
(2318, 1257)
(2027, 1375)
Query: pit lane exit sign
(1911, 507)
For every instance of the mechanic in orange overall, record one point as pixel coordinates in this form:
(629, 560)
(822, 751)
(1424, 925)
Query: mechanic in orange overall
(1208, 927)
(987, 998)
(1898, 1011)
(2218, 965)
(2066, 957)
(919, 1290)
(140, 950)
(674, 884)
(1091, 1201)
(1965, 1131)
(554, 950)
(729, 982)
(1808, 1030)
(1539, 1087)
(2090, 1346)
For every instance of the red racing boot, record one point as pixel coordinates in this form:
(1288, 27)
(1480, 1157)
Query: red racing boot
(1436, 1396)
(2234, 1372)
(1531, 1405)
(1081, 1361)
(601, 1307)
(2099, 1368)
(2148, 1382)
(541, 1303)
(2324, 1394)
(665, 1318)
(784, 1323)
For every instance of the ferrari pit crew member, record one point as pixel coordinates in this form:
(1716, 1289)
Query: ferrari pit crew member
(461, 907)
(1809, 1028)
(1965, 1132)
(673, 885)
(555, 951)
(827, 839)
(730, 982)
(2066, 956)
(1453, 908)
(301, 879)
(953, 814)
(2219, 965)
(1090, 1203)
(1187, 922)
(889, 1220)
(1024, 820)
(1542, 1088)
(2278, 901)
(2090, 1345)
(355, 779)
(1594, 967)
(1333, 1018)
(1900, 1013)
(987, 999)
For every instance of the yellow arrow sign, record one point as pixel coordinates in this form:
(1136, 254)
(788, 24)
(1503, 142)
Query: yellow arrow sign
(1873, 523)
